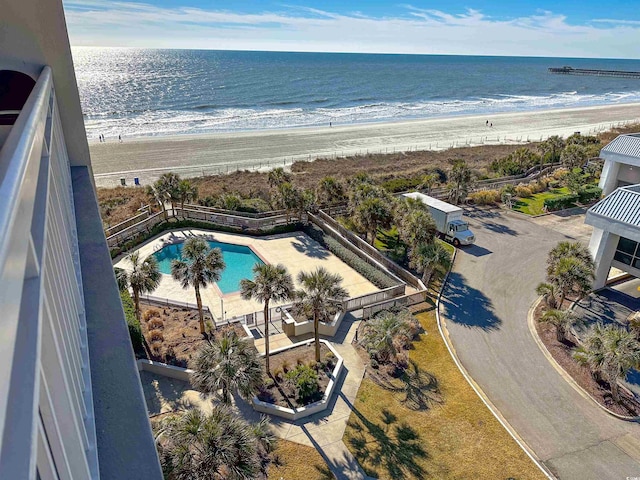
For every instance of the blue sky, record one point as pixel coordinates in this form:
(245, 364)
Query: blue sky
(564, 28)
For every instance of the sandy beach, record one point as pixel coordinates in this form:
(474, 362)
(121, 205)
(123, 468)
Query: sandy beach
(190, 155)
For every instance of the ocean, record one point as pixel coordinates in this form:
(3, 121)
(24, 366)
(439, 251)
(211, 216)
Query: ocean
(146, 92)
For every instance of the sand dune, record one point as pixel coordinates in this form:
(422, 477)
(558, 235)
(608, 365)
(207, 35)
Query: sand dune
(147, 158)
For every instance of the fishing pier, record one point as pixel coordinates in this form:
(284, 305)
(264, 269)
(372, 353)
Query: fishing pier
(594, 72)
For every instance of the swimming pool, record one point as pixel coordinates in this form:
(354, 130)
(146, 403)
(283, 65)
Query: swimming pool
(239, 261)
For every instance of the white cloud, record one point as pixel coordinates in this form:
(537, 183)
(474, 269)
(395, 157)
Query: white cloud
(412, 30)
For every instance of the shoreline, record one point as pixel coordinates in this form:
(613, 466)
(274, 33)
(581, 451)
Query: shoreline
(213, 153)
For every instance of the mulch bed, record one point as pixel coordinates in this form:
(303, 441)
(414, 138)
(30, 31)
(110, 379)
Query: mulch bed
(181, 333)
(562, 353)
(279, 391)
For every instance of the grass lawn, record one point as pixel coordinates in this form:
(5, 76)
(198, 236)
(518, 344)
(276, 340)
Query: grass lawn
(456, 437)
(535, 204)
(298, 462)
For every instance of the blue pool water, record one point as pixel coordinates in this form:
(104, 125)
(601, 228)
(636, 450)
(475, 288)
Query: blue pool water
(239, 262)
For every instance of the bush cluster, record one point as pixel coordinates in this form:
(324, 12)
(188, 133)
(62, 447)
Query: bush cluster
(304, 380)
(589, 193)
(135, 332)
(523, 191)
(371, 273)
(401, 184)
(563, 201)
(485, 197)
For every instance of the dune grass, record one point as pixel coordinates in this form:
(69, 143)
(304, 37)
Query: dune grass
(455, 437)
(298, 462)
(535, 204)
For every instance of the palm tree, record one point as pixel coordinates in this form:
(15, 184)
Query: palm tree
(574, 155)
(417, 228)
(610, 352)
(429, 259)
(386, 335)
(186, 193)
(220, 445)
(203, 265)
(330, 192)
(372, 214)
(562, 320)
(144, 277)
(552, 146)
(278, 176)
(568, 249)
(227, 364)
(429, 181)
(320, 290)
(289, 198)
(271, 282)
(548, 291)
(571, 275)
(460, 181)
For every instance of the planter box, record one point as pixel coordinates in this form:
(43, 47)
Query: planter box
(294, 329)
(312, 408)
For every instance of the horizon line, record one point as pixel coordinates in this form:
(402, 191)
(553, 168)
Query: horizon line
(356, 53)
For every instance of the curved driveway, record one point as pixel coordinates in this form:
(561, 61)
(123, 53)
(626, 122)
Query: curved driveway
(485, 306)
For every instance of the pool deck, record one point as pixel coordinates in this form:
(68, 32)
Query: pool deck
(296, 251)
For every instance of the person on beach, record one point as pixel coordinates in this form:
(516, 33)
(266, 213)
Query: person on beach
(491, 125)
(487, 124)
(329, 124)
(120, 138)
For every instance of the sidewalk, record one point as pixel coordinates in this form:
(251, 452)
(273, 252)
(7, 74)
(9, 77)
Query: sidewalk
(322, 431)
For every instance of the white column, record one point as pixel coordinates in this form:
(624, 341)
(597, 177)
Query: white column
(609, 177)
(602, 247)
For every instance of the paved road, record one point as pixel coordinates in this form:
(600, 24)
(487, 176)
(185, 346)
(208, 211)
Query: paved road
(486, 302)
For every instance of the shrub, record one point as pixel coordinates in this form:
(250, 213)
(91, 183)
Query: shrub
(151, 313)
(285, 366)
(155, 347)
(371, 273)
(523, 191)
(539, 186)
(155, 336)
(485, 197)
(508, 189)
(305, 381)
(563, 201)
(388, 334)
(155, 324)
(589, 193)
(560, 174)
(135, 332)
(401, 184)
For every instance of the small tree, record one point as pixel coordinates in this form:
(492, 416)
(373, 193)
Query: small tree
(203, 266)
(290, 199)
(144, 277)
(219, 445)
(562, 320)
(415, 225)
(429, 259)
(460, 181)
(271, 282)
(548, 292)
(278, 176)
(610, 352)
(371, 214)
(330, 192)
(574, 156)
(320, 291)
(571, 275)
(186, 192)
(227, 364)
(429, 181)
(388, 334)
(551, 148)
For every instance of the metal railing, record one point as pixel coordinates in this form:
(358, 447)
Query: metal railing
(46, 402)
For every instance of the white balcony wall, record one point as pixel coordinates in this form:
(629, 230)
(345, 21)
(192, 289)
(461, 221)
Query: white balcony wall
(47, 422)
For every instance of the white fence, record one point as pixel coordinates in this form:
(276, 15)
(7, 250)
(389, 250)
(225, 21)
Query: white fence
(46, 404)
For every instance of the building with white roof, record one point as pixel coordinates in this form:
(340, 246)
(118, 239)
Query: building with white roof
(616, 218)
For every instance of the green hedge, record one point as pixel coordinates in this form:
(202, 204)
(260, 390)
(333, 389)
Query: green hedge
(401, 184)
(589, 193)
(135, 332)
(371, 273)
(164, 226)
(563, 201)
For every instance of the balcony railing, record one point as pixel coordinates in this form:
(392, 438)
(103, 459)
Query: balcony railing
(46, 404)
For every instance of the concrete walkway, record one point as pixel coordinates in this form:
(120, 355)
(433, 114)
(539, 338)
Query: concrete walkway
(322, 431)
(485, 305)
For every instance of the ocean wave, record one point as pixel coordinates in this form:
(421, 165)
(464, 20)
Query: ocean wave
(206, 118)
